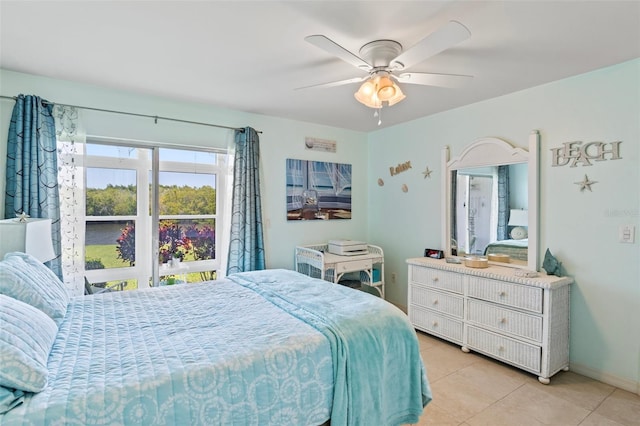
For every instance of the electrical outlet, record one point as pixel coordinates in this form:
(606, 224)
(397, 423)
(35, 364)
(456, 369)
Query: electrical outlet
(393, 278)
(627, 233)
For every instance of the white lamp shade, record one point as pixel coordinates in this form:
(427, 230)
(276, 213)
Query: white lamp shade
(32, 237)
(366, 95)
(377, 90)
(386, 89)
(399, 96)
(518, 217)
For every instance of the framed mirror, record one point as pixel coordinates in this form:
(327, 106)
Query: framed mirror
(490, 202)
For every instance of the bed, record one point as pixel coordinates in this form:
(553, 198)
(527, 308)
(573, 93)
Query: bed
(268, 347)
(516, 249)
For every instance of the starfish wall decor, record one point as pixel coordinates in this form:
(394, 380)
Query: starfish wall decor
(585, 184)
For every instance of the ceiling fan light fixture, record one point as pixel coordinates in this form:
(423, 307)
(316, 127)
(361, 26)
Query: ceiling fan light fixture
(370, 101)
(386, 89)
(379, 89)
(367, 89)
(399, 96)
(366, 94)
(385, 61)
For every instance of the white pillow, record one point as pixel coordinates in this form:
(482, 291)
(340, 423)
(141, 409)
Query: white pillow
(26, 337)
(519, 233)
(25, 278)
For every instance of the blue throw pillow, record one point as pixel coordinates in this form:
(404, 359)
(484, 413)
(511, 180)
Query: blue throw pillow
(25, 278)
(26, 337)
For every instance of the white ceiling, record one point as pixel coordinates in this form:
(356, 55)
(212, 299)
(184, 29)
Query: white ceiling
(250, 56)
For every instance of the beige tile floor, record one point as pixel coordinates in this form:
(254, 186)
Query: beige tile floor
(471, 390)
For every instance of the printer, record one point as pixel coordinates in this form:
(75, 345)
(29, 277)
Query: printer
(347, 247)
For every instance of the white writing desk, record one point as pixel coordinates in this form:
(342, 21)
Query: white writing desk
(316, 261)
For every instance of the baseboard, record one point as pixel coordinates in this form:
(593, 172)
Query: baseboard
(610, 379)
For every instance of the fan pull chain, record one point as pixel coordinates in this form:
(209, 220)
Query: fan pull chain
(378, 113)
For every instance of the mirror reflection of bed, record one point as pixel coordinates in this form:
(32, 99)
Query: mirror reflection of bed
(489, 215)
(486, 187)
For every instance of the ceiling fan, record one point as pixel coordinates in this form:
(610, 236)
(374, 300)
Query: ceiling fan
(385, 61)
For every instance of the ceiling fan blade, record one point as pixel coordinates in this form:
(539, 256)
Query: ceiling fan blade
(436, 42)
(334, 83)
(431, 79)
(335, 49)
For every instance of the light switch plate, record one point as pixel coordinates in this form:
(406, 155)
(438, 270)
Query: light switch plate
(627, 234)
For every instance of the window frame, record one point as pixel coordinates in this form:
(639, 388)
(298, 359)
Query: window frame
(147, 176)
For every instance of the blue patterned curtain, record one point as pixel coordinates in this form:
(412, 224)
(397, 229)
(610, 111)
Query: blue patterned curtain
(503, 202)
(246, 246)
(32, 167)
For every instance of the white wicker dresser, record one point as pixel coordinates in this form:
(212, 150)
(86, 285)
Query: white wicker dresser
(521, 321)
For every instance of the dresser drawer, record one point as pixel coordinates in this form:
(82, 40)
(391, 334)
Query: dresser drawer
(518, 296)
(436, 323)
(505, 320)
(518, 353)
(444, 280)
(354, 266)
(447, 303)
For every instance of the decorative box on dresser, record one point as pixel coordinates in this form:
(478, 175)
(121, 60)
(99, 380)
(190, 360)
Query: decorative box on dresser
(518, 320)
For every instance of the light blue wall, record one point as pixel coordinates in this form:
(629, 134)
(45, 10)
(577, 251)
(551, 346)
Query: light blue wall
(580, 228)
(281, 139)
(518, 187)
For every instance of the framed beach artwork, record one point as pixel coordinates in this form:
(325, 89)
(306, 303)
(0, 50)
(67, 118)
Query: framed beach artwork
(318, 190)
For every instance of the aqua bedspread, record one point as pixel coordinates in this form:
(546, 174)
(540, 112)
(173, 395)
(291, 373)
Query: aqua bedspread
(379, 378)
(261, 348)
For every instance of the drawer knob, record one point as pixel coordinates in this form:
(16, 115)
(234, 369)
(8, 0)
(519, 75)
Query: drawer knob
(435, 323)
(503, 293)
(502, 320)
(435, 279)
(501, 348)
(435, 301)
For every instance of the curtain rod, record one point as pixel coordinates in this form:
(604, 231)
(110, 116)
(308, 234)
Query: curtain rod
(155, 117)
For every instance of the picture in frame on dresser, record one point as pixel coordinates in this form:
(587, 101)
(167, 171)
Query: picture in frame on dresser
(503, 309)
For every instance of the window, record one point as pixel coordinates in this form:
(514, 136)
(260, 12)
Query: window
(119, 212)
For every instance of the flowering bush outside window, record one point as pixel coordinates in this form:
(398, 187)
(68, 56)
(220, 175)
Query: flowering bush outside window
(194, 242)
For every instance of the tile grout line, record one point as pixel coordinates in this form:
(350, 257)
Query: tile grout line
(495, 402)
(603, 400)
